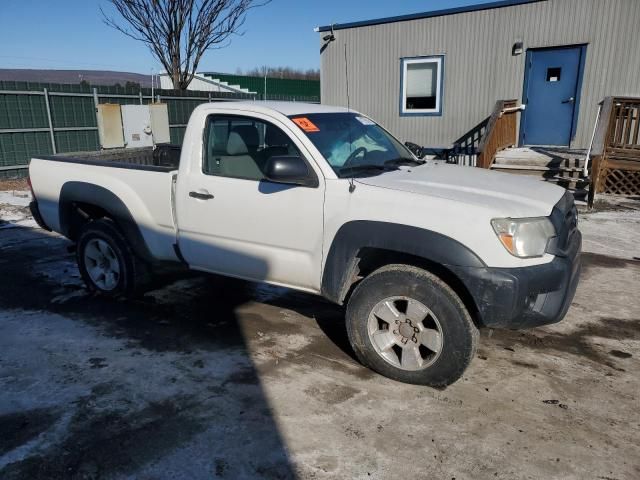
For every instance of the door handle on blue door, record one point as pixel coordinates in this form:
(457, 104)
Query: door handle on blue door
(201, 196)
(569, 100)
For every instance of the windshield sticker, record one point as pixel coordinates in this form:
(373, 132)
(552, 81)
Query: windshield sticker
(305, 124)
(365, 121)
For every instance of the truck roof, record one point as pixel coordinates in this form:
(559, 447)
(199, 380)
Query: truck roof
(285, 108)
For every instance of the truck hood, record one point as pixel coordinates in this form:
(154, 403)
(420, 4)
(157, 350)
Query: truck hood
(507, 194)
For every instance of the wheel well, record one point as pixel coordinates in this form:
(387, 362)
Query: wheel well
(370, 259)
(80, 213)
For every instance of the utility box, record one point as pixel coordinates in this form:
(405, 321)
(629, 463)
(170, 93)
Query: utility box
(136, 123)
(160, 123)
(133, 126)
(110, 125)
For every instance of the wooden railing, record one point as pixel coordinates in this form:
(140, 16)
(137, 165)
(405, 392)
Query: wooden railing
(499, 133)
(465, 148)
(615, 152)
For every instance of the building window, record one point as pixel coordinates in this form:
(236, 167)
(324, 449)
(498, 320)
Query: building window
(421, 85)
(553, 74)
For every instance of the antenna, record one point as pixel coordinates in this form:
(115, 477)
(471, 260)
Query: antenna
(346, 73)
(352, 182)
(264, 95)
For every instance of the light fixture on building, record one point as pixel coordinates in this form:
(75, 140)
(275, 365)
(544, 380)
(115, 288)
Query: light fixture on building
(517, 49)
(331, 37)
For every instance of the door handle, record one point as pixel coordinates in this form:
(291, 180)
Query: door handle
(569, 100)
(201, 196)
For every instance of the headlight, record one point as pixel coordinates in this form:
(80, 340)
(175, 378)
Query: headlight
(524, 237)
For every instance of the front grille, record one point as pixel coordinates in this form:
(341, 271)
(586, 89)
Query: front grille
(565, 220)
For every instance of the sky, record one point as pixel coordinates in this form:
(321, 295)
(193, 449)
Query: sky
(70, 34)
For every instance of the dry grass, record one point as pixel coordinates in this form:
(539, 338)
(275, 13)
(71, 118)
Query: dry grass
(13, 184)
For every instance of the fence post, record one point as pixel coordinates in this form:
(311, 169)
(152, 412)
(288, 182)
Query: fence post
(209, 97)
(96, 102)
(51, 132)
(140, 94)
(158, 99)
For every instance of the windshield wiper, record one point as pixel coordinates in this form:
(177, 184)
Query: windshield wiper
(404, 161)
(366, 168)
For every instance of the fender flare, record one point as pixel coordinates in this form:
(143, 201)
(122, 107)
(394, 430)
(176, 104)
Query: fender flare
(91, 194)
(352, 237)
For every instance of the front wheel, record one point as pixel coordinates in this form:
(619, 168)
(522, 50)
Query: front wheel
(409, 325)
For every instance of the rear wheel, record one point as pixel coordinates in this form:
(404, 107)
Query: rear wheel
(408, 325)
(106, 262)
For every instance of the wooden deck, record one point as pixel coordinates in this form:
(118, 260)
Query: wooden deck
(616, 148)
(561, 166)
(542, 156)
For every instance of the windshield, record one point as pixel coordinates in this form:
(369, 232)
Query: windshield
(352, 143)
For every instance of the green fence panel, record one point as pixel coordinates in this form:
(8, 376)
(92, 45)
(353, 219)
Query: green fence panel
(28, 111)
(180, 110)
(72, 111)
(56, 87)
(22, 111)
(13, 174)
(177, 135)
(121, 101)
(77, 141)
(18, 148)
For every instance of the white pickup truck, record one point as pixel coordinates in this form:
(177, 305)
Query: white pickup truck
(322, 199)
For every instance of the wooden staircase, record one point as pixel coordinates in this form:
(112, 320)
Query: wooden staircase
(493, 142)
(614, 153)
(561, 166)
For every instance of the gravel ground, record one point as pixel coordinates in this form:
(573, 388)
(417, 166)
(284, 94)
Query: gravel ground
(207, 377)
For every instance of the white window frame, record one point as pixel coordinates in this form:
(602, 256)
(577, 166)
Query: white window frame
(437, 111)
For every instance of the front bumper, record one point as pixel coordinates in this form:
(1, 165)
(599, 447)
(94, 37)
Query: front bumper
(528, 296)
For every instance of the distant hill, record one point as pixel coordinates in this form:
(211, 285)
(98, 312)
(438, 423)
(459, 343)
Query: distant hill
(94, 77)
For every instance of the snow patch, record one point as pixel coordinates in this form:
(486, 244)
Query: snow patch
(17, 198)
(14, 211)
(61, 271)
(64, 298)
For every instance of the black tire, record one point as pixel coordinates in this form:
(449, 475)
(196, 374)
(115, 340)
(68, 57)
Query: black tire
(133, 275)
(459, 335)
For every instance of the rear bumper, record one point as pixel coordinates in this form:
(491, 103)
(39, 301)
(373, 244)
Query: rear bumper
(35, 212)
(525, 297)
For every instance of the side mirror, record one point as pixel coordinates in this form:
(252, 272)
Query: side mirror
(417, 150)
(290, 170)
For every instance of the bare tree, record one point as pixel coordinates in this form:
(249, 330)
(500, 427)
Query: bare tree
(179, 32)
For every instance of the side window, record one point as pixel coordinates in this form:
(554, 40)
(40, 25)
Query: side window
(240, 147)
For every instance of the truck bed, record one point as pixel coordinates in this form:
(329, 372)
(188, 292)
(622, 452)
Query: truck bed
(140, 180)
(164, 158)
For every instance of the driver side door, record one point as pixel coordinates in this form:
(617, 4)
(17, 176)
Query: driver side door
(235, 222)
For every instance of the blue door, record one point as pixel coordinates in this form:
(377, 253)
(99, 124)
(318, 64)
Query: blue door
(551, 94)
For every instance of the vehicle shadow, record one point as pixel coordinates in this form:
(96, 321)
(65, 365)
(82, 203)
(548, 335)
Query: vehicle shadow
(160, 385)
(328, 316)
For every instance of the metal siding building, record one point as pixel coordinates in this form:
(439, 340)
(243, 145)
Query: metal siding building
(479, 66)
